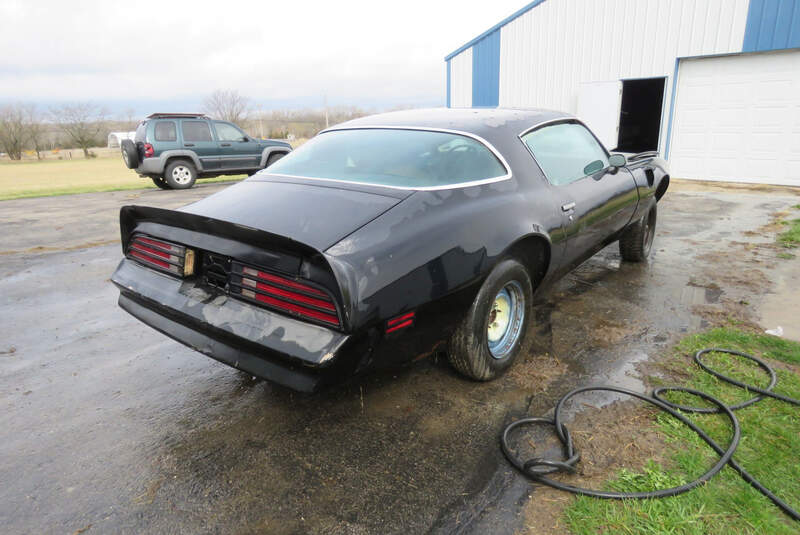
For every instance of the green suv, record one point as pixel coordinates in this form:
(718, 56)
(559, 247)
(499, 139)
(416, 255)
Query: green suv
(175, 149)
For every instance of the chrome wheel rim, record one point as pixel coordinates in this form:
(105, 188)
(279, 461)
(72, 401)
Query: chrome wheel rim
(181, 174)
(504, 322)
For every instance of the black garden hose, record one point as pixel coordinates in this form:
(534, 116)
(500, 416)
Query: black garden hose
(538, 468)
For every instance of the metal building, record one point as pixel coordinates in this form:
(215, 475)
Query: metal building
(714, 85)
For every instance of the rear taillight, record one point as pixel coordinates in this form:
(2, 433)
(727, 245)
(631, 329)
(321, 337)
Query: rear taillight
(291, 296)
(148, 150)
(161, 255)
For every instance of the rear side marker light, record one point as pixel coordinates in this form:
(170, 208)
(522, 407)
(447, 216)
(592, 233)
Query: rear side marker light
(162, 255)
(400, 322)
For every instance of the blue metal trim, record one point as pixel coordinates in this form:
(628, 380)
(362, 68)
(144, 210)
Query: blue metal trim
(448, 83)
(486, 71)
(772, 25)
(494, 28)
(671, 109)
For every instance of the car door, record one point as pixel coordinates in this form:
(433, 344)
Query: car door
(595, 199)
(237, 150)
(197, 138)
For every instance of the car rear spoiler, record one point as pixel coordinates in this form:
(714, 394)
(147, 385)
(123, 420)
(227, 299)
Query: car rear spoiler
(246, 244)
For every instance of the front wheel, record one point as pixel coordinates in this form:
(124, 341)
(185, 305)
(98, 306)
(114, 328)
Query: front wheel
(180, 174)
(637, 241)
(489, 338)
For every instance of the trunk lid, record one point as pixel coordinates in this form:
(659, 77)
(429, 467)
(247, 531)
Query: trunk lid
(315, 213)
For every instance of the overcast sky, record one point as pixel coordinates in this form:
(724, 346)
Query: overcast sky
(148, 54)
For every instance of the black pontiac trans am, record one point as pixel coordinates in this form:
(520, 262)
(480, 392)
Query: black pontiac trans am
(386, 238)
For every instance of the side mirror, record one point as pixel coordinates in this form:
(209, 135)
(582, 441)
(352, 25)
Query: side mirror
(245, 138)
(617, 160)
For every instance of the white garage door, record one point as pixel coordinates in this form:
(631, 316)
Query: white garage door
(737, 118)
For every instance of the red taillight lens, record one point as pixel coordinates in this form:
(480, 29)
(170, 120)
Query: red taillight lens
(148, 150)
(283, 294)
(162, 255)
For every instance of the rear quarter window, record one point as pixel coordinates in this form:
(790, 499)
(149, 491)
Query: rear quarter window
(166, 131)
(196, 131)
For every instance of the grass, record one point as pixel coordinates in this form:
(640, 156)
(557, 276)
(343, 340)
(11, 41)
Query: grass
(768, 449)
(64, 177)
(790, 238)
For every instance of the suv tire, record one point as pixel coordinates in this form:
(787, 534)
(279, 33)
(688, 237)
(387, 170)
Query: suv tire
(180, 174)
(130, 154)
(160, 182)
(274, 157)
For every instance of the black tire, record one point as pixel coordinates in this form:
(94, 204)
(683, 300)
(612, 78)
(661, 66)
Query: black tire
(180, 174)
(637, 241)
(160, 182)
(469, 351)
(130, 155)
(274, 157)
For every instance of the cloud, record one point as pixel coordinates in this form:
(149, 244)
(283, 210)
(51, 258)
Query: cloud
(345, 51)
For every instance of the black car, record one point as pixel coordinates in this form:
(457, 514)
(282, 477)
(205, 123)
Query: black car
(175, 149)
(386, 238)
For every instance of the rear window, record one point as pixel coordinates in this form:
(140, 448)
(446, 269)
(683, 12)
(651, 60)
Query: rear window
(196, 131)
(392, 157)
(166, 131)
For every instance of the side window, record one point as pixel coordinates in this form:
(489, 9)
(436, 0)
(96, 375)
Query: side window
(166, 131)
(228, 132)
(196, 131)
(566, 152)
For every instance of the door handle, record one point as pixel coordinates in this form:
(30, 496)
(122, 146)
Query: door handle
(224, 144)
(188, 144)
(567, 207)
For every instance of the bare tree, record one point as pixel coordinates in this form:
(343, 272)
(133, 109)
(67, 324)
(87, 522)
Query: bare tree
(82, 123)
(13, 134)
(227, 105)
(35, 128)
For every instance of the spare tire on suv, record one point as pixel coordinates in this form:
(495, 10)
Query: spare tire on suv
(130, 154)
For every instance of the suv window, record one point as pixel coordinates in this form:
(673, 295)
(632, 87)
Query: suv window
(166, 131)
(228, 132)
(566, 152)
(196, 131)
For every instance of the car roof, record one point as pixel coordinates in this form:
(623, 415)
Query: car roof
(484, 122)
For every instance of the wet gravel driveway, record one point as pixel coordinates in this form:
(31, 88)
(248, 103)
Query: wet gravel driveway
(108, 426)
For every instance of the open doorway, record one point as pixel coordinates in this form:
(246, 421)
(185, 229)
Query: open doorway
(640, 114)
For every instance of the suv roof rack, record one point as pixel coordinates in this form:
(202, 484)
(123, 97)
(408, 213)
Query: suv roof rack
(184, 115)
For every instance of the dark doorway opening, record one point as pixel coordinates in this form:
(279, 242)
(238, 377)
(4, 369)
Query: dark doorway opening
(640, 115)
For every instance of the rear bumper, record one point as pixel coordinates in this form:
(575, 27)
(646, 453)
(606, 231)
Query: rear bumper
(151, 166)
(281, 349)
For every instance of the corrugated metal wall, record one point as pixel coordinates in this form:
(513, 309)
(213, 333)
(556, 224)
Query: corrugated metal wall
(772, 25)
(485, 66)
(546, 53)
(461, 80)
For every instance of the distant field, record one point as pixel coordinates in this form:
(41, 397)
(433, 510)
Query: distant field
(107, 172)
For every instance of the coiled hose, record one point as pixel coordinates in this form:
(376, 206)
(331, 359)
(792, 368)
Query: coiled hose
(538, 468)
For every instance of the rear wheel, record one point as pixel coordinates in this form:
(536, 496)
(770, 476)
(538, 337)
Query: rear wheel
(488, 340)
(180, 174)
(160, 182)
(637, 241)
